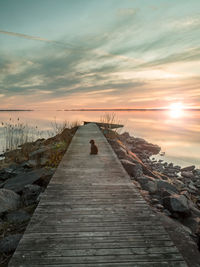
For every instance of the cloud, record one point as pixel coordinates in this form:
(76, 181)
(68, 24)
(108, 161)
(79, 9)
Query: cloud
(186, 23)
(36, 38)
(126, 11)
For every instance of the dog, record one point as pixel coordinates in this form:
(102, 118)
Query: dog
(94, 148)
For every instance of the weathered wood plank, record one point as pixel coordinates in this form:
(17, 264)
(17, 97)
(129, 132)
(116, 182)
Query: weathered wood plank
(158, 251)
(106, 125)
(114, 264)
(92, 215)
(43, 258)
(61, 243)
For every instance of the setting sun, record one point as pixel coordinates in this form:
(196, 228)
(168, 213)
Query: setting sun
(176, 110)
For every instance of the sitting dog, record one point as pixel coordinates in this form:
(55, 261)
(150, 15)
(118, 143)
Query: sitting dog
(94, 149)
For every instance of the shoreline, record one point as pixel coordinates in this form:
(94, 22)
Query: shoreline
(172, 192)
(29, 169)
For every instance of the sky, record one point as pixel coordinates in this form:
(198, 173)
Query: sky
(70, 54)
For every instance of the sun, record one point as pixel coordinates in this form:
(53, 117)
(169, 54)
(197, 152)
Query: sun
(176, 110)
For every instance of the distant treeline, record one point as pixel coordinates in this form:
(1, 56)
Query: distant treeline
(16, 110)
(129, 109)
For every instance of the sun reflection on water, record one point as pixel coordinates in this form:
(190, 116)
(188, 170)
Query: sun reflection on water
(176, 110)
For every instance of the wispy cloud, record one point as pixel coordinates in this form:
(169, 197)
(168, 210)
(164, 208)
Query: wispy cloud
(37, 38)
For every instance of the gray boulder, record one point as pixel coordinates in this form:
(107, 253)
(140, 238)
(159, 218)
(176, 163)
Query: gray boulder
(121, 152)
(9, 200)
(145, 179)
(189, 168)
(166, 193)
(10, 243)
(30, 194)
(17, 217)
(177, 204)
(128, 166)
(39, 152)
(166, 185)
(197, 172)
(148, 183)
(187, 174)
(18, 183)
(32, 163)
(137, 170)
(150, 186)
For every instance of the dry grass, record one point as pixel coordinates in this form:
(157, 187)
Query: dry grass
(58, 127)
(110, 118)
(16, 133)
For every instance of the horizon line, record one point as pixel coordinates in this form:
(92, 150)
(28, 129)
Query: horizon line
(101, 109)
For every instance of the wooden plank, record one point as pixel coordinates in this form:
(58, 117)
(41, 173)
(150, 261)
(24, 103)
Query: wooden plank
(43, 258)
(56, 252)
(114, 264)
(33, 244)
(105, 125)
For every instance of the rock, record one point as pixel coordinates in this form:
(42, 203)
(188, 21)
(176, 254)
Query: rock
(9, 200)
(145, 195)
(179, 184)
(166, 185)
(197, 172)
(137, 170)
(137, 184)
(128, 166)
(166, 193)
(44, 161)
(30, 194)
(17, 217)
(9, 244)
(150, 186)
(121, 152)
(187, 174)
(188, 169)
(177, 204)
(159, 207)
(124, 136)
(192, 187)
(18, 183)
(147, 183)
(167, 212)
(194, 209)
(38, 153)
(197, 183)
(32, 163)
(145, 179)
(186, 194)
(154, 201)
(9, 172)
(193, 223)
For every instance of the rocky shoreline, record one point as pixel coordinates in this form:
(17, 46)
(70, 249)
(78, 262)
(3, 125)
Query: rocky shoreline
(24, 175)
(171, 191)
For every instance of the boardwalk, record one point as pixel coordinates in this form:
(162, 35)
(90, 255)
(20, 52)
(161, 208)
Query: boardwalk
(92, 215)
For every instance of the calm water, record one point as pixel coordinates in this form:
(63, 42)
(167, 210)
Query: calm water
(178, 133)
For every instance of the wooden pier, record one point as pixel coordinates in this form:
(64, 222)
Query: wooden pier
(91, 214)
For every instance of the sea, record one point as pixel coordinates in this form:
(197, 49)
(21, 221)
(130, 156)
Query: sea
(177, 132)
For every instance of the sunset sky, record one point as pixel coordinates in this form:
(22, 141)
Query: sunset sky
(99, 54)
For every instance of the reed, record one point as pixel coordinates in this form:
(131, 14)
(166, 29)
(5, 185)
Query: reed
(16, 133)
(58, 127)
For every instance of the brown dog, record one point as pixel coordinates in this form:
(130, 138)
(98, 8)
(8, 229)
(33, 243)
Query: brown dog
(94, 149)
